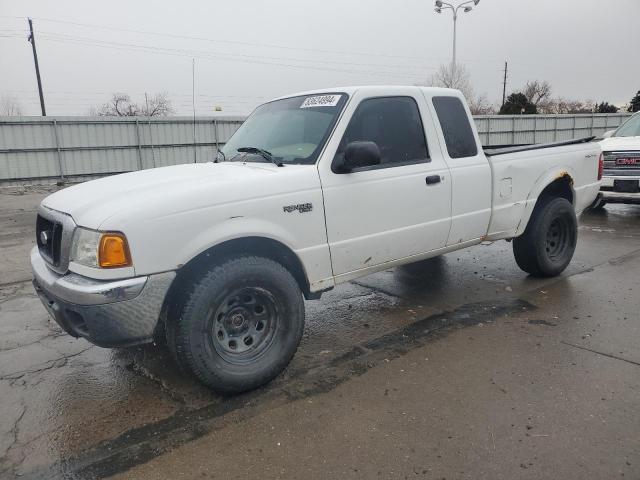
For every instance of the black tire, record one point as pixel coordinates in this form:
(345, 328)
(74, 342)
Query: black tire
(547, 245)
(240, 325)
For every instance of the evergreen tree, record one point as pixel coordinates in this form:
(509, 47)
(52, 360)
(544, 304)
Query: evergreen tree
(634, 106)
(517, 104)
(606, 107)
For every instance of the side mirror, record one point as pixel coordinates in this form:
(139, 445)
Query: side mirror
(608, 134)
(357, 155)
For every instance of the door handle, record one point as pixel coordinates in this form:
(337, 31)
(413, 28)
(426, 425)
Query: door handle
(433, 179)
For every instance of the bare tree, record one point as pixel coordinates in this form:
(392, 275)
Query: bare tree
(480, 105)
(450, 76)
(158, 105)
(121, 105)
(537, 92)
(569, 106)
(10, 106)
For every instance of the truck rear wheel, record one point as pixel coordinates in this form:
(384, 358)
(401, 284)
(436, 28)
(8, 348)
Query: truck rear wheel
(546, 247)
(240, 325)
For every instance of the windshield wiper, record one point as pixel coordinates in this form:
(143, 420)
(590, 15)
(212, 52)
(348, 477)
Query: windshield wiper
(263, 153)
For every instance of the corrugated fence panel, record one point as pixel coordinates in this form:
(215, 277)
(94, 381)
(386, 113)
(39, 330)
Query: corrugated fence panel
(226, 129)
(28, 165)
(38, 135)
(44, 149)
(526, 129)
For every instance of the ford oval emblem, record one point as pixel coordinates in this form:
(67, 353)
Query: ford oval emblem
(44, 237)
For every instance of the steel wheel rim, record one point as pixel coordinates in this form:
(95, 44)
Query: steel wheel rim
(243, 325)
(557, 239)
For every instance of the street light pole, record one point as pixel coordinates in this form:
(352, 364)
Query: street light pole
(455, 22)
(440, 5)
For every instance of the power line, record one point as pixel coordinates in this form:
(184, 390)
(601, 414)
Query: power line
(110, 92)
(214, 54)
(209, 55)
(230, 55)
(244, 43)
(251, 44)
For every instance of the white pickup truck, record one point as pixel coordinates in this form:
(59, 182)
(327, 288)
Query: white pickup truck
(315, 189)
(621, 153)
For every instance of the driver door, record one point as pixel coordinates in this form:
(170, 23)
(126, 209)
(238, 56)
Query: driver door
(400, 208)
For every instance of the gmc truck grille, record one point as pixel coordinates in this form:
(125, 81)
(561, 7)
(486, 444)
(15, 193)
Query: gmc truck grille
(626, 163)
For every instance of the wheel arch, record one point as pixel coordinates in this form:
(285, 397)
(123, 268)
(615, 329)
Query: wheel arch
(250, 245)
(558, 184)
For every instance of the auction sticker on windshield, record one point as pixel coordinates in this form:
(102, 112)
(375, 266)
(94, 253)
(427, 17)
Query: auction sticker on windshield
(321, 101)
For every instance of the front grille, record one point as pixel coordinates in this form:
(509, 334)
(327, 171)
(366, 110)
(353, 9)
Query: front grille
(54, 233)
(49, 239)
(623, 163)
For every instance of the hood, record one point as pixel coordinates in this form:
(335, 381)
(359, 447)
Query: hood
(169, 190)
(613, 144)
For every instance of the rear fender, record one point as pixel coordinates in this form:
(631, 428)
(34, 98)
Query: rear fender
(554, 174)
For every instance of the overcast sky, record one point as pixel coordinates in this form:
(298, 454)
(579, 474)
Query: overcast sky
(247, 51)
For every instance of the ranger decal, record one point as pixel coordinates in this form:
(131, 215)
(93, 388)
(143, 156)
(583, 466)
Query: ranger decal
(301, 207)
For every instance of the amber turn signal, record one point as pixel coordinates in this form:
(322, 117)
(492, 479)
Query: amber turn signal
(113, 251)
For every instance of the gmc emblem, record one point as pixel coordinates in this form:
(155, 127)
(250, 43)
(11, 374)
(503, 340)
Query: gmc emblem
(628, 161)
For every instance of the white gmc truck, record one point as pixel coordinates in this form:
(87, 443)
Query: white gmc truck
(621, 153)
(315, 189)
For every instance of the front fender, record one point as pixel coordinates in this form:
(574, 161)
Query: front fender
(232, 229)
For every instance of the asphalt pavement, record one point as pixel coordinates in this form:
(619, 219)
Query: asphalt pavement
(458, 367)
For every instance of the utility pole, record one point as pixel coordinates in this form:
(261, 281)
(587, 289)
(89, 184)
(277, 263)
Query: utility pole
(32, 40)
(504, 84)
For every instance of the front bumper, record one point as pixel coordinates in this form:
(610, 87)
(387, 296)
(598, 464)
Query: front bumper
(107, 313)
(614, 191)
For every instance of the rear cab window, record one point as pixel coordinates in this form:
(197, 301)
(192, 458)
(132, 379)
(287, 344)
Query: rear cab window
(457, 131)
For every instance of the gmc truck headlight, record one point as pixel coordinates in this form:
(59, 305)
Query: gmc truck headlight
(100, 249)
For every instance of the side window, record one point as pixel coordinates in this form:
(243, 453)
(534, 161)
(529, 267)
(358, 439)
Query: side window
(394, 124)
(456, 128)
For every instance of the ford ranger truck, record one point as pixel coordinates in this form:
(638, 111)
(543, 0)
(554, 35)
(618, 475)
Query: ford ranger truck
(621, 151)
(313, 190)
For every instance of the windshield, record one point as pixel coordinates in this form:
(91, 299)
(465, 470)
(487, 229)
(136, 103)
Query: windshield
(292, 130)
(631, 128)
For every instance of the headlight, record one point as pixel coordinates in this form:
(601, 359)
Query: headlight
(84, 247)
(100, 249)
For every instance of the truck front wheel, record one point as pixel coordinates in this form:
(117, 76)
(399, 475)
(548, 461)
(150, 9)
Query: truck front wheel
(546, 247)
(240, 325)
